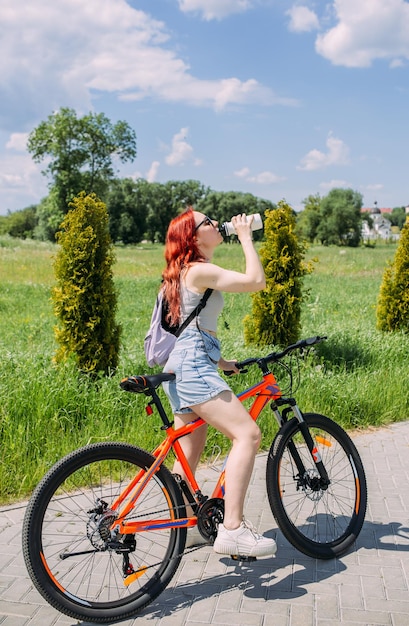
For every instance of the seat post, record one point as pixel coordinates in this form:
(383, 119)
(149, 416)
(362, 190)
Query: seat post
(157, 402)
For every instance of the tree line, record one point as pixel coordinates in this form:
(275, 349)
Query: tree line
(337, 218)
(138, 210)
(80, 156)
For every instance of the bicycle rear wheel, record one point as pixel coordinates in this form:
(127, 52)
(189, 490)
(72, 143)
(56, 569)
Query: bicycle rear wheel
(320, 522)
(67, 545)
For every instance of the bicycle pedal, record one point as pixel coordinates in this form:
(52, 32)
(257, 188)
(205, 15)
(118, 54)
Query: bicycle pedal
(244, 559)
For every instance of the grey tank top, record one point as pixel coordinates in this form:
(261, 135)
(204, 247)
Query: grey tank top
(207, 318)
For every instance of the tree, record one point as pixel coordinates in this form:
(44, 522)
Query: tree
(21, 223)
(392, 312)
(398, 217)
(127, 210)
(159, 210)
(340, 218)
(276, 311)
(185, 193)
(308, 220)
(139, 208)
(84, 298)
(80, 152)
(49, 217)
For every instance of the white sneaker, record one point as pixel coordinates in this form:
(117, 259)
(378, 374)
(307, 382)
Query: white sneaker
(243, 541)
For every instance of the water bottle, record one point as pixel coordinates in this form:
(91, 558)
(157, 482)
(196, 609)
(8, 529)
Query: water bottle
(228, 229)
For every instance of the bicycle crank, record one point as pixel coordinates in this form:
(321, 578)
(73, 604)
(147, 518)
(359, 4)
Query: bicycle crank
(209, 516)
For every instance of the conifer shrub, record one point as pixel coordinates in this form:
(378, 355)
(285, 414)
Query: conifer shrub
(392, 312)
(276, 310)
(84, 298)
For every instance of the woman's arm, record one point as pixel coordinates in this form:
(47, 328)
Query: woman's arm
(204, 275)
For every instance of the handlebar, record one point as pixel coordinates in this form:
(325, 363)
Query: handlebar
(273, 357)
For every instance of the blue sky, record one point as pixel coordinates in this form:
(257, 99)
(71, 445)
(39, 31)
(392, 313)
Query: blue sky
(278, 98)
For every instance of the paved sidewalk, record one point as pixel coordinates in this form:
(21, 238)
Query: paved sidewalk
(366, 587)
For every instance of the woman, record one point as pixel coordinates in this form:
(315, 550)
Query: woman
(198, 389)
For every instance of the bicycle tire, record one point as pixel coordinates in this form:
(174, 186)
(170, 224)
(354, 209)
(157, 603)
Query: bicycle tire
(321, 523)
(65, 543)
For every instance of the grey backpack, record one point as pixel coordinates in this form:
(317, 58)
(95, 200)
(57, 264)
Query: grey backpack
(161, 337)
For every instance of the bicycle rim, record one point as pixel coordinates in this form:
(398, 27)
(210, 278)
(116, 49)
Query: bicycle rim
(65, 538)
(322, 523)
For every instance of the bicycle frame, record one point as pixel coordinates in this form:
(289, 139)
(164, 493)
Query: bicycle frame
(263, 392)
(83, 531)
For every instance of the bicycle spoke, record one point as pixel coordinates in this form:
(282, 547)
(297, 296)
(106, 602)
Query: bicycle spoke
(319, 519)
(81, 566)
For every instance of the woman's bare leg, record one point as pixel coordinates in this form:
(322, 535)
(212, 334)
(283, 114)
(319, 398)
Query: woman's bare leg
(227, 414)
(192, 446)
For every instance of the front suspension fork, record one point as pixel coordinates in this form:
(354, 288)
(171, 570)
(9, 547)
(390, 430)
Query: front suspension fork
(311, 444)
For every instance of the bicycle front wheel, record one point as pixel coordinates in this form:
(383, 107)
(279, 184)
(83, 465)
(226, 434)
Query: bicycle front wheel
(73, 559)
(320, 521)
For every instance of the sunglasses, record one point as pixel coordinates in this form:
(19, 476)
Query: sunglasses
(207, 221)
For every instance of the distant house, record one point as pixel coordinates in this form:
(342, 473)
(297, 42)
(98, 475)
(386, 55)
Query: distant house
(381, 227)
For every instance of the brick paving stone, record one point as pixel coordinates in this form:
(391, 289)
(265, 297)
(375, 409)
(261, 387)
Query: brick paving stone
(351, 597)
(13, 620)
(238, 619)
(302, 616)
(366, 617)
(17, 609)
(327, 606)
(368, 586)
(399, 619)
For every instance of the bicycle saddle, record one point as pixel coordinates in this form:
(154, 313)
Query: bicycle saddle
(144, 384)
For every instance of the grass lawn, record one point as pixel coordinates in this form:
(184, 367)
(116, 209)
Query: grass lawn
(357, 377)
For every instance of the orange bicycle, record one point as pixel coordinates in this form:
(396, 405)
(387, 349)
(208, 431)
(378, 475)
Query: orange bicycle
(105, 530)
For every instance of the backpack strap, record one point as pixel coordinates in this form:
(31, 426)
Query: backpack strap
(195, 312)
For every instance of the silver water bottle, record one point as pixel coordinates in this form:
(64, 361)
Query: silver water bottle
(228, 229)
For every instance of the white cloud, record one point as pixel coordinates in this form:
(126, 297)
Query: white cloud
(337, 154)
(153, 172)
(365, 31)
(396, 63)
(302, 19)
(181, 151)
(218, 94)
(262, 178)
(373, 187)
(18, 142)
(243, 173)
(334, 184)
(21, 180)
(69, 51)
(214, 9)
(151, 175)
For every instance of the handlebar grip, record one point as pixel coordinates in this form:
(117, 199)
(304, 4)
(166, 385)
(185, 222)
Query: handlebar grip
(311, 341)
(230, 372)
(240, 366)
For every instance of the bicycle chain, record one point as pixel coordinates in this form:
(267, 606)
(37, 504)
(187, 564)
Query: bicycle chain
(172, 558)
(175, 509)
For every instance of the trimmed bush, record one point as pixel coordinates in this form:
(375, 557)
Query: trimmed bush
(392, 313)
(276, 311)
(85, 300)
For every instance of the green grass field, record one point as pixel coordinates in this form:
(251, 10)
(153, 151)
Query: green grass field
(357, 377)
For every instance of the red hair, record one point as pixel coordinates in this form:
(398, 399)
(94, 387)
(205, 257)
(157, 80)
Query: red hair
(181, 249)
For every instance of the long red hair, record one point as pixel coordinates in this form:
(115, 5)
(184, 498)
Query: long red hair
(181, 249)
